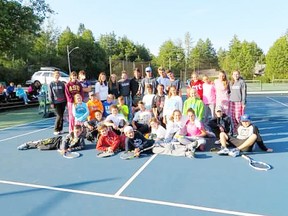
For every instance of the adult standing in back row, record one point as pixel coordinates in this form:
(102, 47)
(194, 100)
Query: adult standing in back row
(238, 97)
(149, 79)
(57, 97)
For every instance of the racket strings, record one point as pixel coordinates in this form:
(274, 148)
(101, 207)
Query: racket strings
(260, 165)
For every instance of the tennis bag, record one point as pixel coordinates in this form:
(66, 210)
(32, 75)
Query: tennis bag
(50, 143)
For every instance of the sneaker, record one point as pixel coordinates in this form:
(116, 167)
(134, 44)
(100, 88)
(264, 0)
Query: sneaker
(223, 151)
(190, 154)
(217, 142)
(56, 133)
(23, 146)
(234, 152)
(193, 146)
(168, 148)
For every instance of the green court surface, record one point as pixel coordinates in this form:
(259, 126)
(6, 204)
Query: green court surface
(16, 117)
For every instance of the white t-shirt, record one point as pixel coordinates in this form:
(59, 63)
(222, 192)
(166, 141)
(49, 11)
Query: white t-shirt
(160, 132)
(171, 104)
(102, 90)
(173, 127)
(244, 133)
(115, 119)
(147, 99)
(142, 117)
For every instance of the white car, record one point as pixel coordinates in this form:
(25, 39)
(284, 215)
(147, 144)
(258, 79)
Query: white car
(45, 75)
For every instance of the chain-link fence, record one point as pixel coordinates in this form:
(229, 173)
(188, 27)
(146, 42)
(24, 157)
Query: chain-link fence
(117, 66)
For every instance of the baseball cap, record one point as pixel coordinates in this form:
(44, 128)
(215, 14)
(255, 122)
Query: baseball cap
(218, 108)
(245, 117)
(148, 69)
(128, 129)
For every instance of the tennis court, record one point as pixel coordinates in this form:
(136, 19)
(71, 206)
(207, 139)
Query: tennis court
(36, 182)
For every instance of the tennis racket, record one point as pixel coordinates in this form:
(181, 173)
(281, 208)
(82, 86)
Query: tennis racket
(71, 155)
(105, 154)
(258, 165)
(128, 155)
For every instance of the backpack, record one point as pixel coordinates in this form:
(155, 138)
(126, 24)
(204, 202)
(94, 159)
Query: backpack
(50, 144)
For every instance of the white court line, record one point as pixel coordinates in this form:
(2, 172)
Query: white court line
(133, 199)
(25, 124)
(134, 176)
(277, 101)
(25, 134)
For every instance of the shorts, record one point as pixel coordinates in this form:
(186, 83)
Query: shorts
(237, 142)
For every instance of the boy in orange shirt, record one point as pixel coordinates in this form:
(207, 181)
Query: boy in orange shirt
(93, 104)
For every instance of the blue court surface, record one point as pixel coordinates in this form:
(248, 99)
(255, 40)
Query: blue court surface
(38, 183)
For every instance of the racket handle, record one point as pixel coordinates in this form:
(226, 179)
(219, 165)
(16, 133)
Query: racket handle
(245, 157)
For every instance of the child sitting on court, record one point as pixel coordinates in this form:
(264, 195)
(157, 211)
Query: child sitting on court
(248, 134)
(135, 141)
(220, 123)
(108, 140)
(157, 131)
(91, 126)
(141, 119)
(115, 120)
(73, 141)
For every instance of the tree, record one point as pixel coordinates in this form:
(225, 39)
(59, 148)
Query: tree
(203, 56)
(242, 56)
(126, 49)
(45, 47)
(143, 53)
(108, 42)
(222, 58)
(18, 21)
(276, 59)
(187, 50)
(91, 57)
(171, 57)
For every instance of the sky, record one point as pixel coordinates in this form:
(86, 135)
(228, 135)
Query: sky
(152, 22)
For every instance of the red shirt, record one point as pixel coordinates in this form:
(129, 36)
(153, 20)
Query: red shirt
(198, 85)
(71, 89)
(111, 140)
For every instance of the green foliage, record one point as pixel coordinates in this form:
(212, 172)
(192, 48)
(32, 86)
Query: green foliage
(108, 42)
(241, 56)
(277, 59)
(203, 56)
(25, 47)
(19, 21)
(171, 57)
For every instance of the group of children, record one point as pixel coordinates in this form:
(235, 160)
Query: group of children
(172, 126)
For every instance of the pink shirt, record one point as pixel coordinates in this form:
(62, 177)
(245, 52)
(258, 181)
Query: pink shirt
(194, 129)
(209, 93)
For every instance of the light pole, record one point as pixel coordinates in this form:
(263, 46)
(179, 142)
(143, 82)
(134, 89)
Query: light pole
(68, 56)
